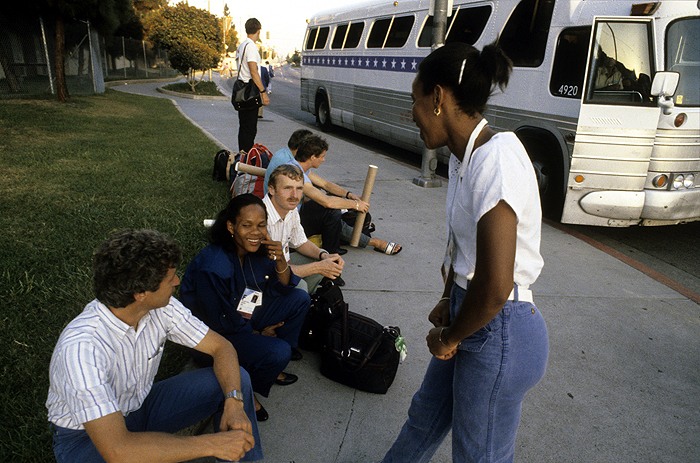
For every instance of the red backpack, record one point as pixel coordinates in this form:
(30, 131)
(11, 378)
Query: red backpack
(258, 156)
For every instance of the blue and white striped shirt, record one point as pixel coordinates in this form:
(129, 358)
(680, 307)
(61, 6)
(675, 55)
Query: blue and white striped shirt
(102, 365)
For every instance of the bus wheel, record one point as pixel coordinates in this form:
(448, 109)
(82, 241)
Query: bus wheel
(323, 114)
(549, 172)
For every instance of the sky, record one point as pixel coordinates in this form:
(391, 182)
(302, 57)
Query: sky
(284, 19)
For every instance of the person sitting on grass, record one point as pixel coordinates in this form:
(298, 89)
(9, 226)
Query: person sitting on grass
(321, 212)
(309, 261)
(103, 403)
(242, 287)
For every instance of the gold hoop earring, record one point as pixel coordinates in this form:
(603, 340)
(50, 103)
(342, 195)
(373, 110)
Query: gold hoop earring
(437, 111)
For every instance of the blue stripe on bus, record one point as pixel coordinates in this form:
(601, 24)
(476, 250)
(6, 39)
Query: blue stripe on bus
(379, 63)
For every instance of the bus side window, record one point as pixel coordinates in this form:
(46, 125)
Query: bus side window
(354, 35)
(468, 25)
(322, 38)
(399, 31)
(378, 33)
(570, 63)
(524, 37)
(339, 36)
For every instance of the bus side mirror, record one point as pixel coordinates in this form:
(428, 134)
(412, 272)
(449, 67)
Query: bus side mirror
(664, 86)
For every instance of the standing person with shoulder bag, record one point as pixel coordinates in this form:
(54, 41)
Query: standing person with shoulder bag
(489, 341)
(249, 69)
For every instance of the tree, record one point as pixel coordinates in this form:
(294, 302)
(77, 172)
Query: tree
(191, 36)
(295, 58)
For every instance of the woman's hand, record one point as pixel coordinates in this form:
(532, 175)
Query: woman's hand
(438, 344)
(440, 315)
(270, 330)
(274, 248)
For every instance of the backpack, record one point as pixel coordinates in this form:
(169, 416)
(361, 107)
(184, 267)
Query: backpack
(258, 156)
(221, 160)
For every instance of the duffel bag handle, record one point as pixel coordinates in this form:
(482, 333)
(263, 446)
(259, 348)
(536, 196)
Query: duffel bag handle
(345, 343)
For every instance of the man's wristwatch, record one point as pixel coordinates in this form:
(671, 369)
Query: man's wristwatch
(320, 254)
(235, 394)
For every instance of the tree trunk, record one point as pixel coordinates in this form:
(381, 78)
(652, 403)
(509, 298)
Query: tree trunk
(61, 88)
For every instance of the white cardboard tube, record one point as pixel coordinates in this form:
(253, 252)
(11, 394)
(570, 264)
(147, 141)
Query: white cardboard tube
(366, 193)
(248, 169)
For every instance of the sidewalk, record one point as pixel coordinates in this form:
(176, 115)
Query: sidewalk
(623, 382)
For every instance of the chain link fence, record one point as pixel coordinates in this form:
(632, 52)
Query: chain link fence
(27, 58)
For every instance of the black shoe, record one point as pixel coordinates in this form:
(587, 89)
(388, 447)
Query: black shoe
(339, 281)
(261, 415)
(341, 251)
(288, 379)
(296, 354)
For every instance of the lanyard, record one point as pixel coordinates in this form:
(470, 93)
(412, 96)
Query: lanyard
(470, 146)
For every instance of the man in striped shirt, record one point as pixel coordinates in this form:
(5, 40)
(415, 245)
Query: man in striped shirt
(285, 190)
(103, 403)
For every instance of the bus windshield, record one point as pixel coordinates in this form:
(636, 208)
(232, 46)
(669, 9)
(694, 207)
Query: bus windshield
(683, 56)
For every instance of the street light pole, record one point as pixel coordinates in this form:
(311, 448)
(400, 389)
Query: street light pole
(428, 179)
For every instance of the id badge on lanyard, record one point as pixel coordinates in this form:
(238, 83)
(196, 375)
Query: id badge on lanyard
(250, 300)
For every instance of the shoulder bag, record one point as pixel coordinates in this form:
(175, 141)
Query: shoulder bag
(245, 95)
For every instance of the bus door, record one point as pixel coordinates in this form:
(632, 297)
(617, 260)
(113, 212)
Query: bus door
(616, 125)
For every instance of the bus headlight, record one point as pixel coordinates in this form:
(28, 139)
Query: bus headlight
(678, 181)
(689, 181)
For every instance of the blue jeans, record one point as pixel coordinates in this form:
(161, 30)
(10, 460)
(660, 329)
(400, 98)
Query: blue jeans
(479, 392)
(173, 404)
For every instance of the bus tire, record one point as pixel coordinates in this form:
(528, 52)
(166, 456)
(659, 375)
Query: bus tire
(323, 114)
(547, 161)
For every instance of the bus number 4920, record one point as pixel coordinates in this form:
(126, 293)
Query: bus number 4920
(568, 90)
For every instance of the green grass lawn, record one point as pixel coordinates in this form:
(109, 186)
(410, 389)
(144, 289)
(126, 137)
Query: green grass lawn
(70, 174)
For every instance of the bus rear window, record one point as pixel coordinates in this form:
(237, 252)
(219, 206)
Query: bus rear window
(386, 33)
(311, 38)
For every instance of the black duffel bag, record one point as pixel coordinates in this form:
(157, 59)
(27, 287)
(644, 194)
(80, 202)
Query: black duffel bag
(360, 353)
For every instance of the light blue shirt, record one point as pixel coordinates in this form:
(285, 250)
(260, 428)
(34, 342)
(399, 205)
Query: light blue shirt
(283, 156)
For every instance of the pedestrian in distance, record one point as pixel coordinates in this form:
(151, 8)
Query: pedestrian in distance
(249, 68)
(489, 341)
(103, 404)
(271, 73)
